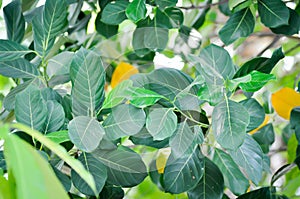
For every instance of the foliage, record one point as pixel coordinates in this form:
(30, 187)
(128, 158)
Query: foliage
(85, 103)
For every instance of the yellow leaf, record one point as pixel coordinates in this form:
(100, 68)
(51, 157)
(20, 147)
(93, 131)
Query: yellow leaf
(284, 101)
(161, 160)
(267, 118)
(122, 72)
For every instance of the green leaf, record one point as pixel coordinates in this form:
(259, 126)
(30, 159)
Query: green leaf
(105, 29)
(55, 118)
(264, 192)
(162, 4)
(156, 38)
(256, 112)
(18, 68)
(114, 12)
(233, 177)
(30, 108)
(265, 137)
(136, 10)
(117, 95)
(211, 185)
(88, 79)
(10, 50)
(138, 41)
(6, 191)
(124, 167)
(174, 16)
(112, 192)
(240, 24)
(295, 117)
(261, 64)
(85, 132)
(229, 123)
(234, 3)
(63, 178)
(273, 13)
(15, 22)
(258, 80)
(97, 170)
(124, 120)
(59, 136)
(161, 123)
(60, 64)
(249, 156)
(292, 28)
(141, 97)
(183, 173)
(16, 151)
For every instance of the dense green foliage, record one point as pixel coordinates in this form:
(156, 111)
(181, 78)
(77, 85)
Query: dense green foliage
(68, 134)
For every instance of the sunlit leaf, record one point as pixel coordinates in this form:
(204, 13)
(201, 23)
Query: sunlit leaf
(141, 97)
(136, 10)
(59, 136)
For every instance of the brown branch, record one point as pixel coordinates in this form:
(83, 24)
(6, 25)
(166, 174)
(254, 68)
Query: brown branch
(204, 6)
(274, 41)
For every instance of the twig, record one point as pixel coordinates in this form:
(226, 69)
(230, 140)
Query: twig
(276, 38)
(293, 48)
(204, 6)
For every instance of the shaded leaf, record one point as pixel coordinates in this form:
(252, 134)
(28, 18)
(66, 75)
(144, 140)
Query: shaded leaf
(105, 29)
(264, 192)
(63, 178)
(55, 118)
(174, 17)
(111, 192)
(10, 50)
(265, 137)
(156, 38)
(292, 28)
(18, 68)
(162, 4)
(114, 12)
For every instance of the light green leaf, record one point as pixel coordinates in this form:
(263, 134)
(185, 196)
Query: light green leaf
(16, 151)
(59, 136)
(55, 118)
(136, 10)
(240, 24)
(273, 13)
(117, 95)
(97, 170)
(232, 84)
(10, 50)
(211, 185)
(60, 64)
(18, 68)
(161, 123)
(141, 97)
(114, 12)
(249, 156)
(6, 191)
(88, 79)
(258, 80)
(234, 3)
(162, 4)
(183, 173)
(30, 108)
(124, 167)
(15, 22)
(124, 120)
(256, 112)
(233, 177)
(86, 133)
(229, 122)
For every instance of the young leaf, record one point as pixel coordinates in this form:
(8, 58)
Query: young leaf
(30, 108)
(161, 123)
(18, 68)
(55, 118)
(97, 170)
(258, 80)
(141, 97)
(240, 24)
(211, 185)
(273, 13)
(136, 10)
(183, 173)
(114, 12)
(233, 177)
(14, 20)
(229, 124)
(10, 50)
(124, 120)
(86, 133)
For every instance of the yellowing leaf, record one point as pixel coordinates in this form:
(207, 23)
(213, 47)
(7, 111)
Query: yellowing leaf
(267, 118)
(284, 101)
(161, 160)
(122, 72)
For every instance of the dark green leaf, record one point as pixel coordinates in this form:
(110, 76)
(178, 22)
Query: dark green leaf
(265, 193)
(295, 117)
(55, 118)
(111, 192)
(18, 68)
(124, 120)
(156, 38)
(96, 168)
(2, 161)
(240, 24)
(292, 28)
(174, 16)
(265, 137)
(234, 3)
(224, 8)
(105, 29)
(86, 133)
(50, 94)
(136, 10)
(229, 123)
(162, 4)
(114, 12)
(201, 19)
(30, 108)
(141, 97)
(59, 136)
(161, 123)
(233, 177)
(63, 178)
(258, 80)
(88, 79)
(273, 13)
(14, 20)
(249, 156)
(183, 173)
(211, 185)
(125, 168)
(256, 112)
(10, 50)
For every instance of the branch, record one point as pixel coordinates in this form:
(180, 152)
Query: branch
(204, 6)
(293, 48)
(274, 41)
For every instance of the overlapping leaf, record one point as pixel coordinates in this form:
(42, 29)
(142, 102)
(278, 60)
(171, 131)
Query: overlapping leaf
(59, 136)
(10, 50)
(292, 28)
(19, 68)
(55, 118)
(141, 97)
(162, 4)
(136, 10)
(265, 137)
(114, 12)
